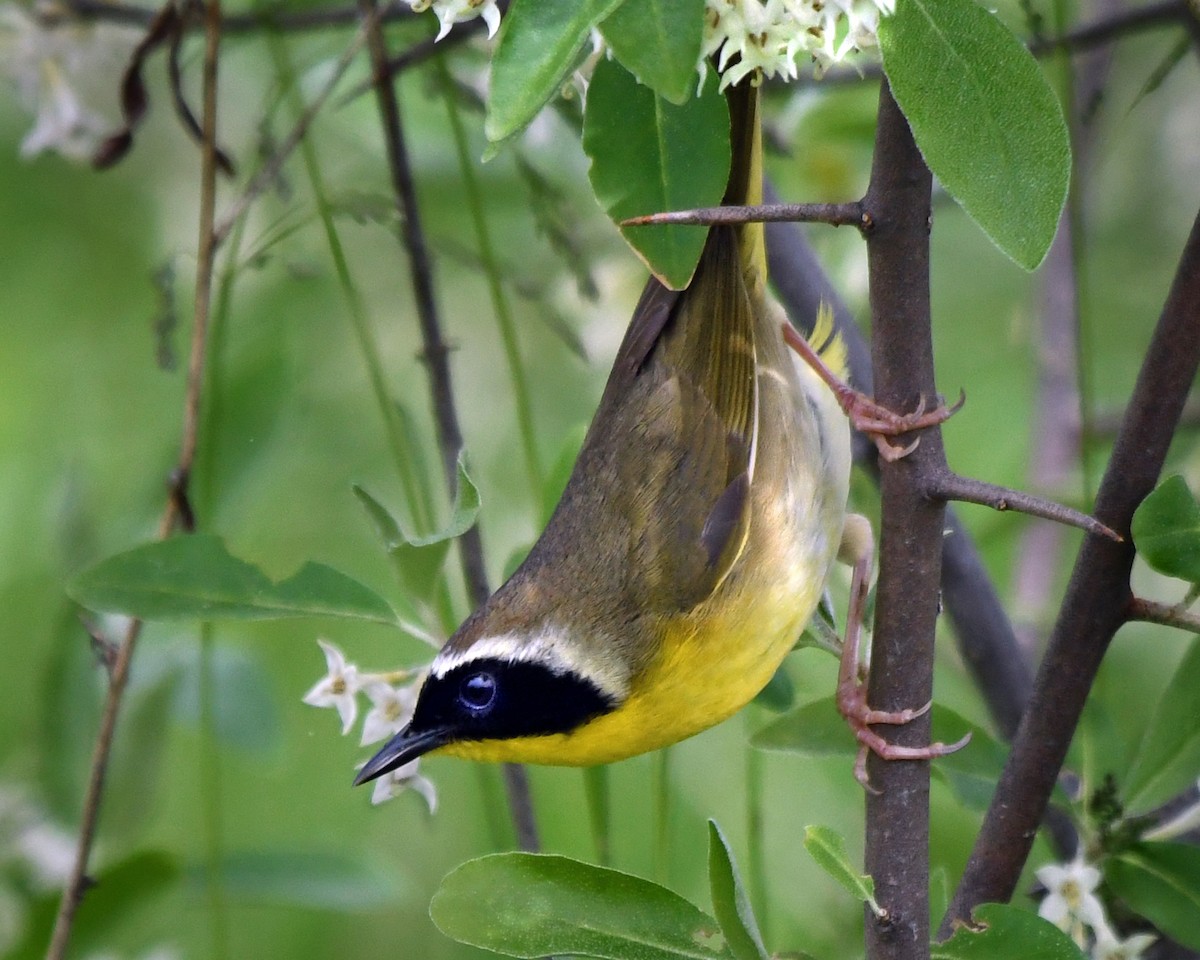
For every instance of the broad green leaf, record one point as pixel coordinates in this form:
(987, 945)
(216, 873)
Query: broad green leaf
(538, 46)
(984, 118)
(195, 578)
(779, 694)
(1161, 881)
(1169, 757)
(828, 848)
(659, 42)
(245, 713)
(1166, 530)
(419, 560)
(813, 730)
(730, 902)
(533, 905)
(1006, 933)
(320, 881)
(649, 156)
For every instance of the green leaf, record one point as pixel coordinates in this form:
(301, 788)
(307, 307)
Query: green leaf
(813, 730)
(649, 156)
(1169, 757)
(984, 118)
(1166, 530)
(780, 693)
(419, 560)
(315, 880)
(1161, 881)
(538, 46)
(828, 848)
(730, 901)
(659, 42)
(532, 905)
(195, 578)
(1007, 932)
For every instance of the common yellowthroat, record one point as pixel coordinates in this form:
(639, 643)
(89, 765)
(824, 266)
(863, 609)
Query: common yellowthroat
(691, 544)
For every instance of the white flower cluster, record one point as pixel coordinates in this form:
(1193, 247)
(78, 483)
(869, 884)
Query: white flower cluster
(393, 697)
(56, 65)
(769, 35)
(1071, 905)
(450, 12)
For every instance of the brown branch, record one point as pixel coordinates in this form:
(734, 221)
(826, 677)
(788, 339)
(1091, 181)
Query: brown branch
(1166, 614)
(78, 881)
(1096, 604)
(952, 486)
(910, 543)
(835, 214)
(435, 354)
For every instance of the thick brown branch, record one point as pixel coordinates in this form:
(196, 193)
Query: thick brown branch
(436, 356)
(1097, 602)
(835, 214)
(951, 486)
(910, 546)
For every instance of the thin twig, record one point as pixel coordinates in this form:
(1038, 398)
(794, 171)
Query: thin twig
(910, 544)
(435, 353)
(135, 15)
(1096, 604)
(835, 214)
(1166, 614)
(267, 175)
(78, 880)
(952, 486)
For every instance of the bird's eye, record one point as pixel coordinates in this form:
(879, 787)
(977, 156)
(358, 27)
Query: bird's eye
(478, 692)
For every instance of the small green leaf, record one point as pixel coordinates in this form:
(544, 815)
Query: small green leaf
(532, 905)
(780, 693)
(730, 902)
(659, 42)
(828, 848)
(194, 577)
(1161, 881)
(1007, 932)
(649, 156)
(318, 880)
(419, 560)
(1169, 757)
(538, 46)
(1166, 530)
(984, 118)
(813, 730)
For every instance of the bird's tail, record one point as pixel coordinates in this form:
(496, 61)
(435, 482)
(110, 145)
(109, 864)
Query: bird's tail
(746, 188)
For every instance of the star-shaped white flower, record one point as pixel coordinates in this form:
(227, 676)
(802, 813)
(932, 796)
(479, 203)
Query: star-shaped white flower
(392, 708)
(338, 688)
(405, 778)
(1071, 903)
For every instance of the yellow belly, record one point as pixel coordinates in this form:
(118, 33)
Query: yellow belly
(711, 663)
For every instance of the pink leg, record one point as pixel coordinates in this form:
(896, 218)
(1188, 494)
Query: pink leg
(858, 548)
(867, 416)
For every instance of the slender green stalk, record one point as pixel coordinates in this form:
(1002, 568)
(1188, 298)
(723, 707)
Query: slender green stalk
(211, 796)
(661, 788)
(417, 505)
(500, 830)
(500, 306)
(756, 859)
(596, 785)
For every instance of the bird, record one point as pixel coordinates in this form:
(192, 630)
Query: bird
(691, 544)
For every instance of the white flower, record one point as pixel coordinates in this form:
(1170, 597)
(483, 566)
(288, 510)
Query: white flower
(1131, 948)
(450, 12)
(768, 35)
(55, 65)
(405, 778)
(392, 709)
(338, 688)
(1071, 903)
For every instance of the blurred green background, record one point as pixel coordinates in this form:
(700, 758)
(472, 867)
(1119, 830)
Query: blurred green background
(89, 428)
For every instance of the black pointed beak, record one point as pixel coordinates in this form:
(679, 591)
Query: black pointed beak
(403, 748)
